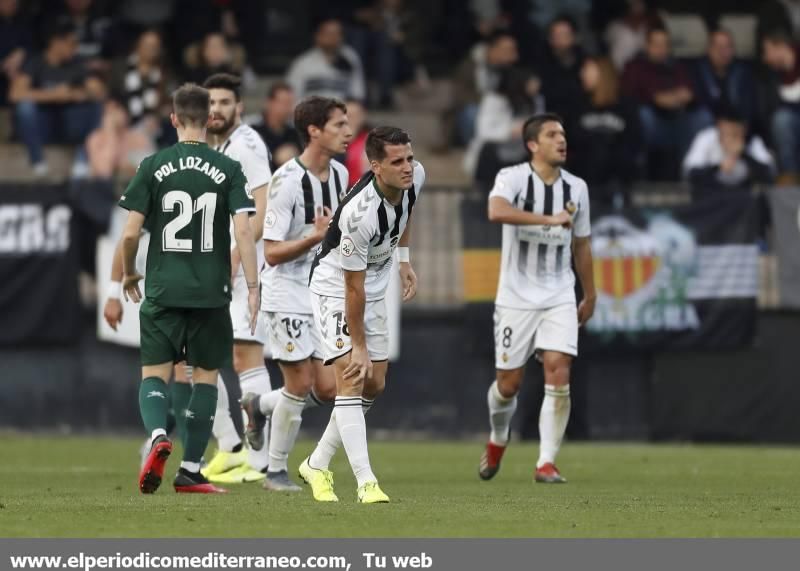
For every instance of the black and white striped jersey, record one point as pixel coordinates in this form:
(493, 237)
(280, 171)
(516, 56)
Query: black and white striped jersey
(247, 147)
(293, 198)
(363, 235)
(536, 270)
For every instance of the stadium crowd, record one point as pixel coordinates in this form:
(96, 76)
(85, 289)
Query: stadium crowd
(97, 75)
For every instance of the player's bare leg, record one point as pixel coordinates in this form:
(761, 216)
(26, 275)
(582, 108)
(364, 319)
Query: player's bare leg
(502, 401)
(153, 406)
(554, 415)
(199, 418)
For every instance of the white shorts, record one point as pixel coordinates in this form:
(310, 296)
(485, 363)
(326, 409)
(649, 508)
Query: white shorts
(240, 315)
(329, 317)
(519, 333)
(292, 336)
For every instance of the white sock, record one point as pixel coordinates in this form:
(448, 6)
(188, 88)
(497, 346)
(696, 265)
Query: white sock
(189, 370)
(501, 410)
(267, 402)
(223, 428)
(331, 440)
(353, 431)
(156, 433)
(257, 381)
(553, 420)
(286, 419)
(191, 466)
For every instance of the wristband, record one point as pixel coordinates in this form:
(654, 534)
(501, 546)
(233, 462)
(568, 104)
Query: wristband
(404, 254)
(114, 290)
(252, 286)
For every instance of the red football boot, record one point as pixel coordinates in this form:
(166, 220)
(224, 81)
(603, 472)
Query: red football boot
(153, 467)
(490, 461)
(187, 482)
(549, 474)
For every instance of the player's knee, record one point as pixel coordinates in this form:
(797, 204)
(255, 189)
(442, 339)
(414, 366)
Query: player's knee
(556, 369)
(348, 387)
(373, 388)
(509, 382)
(325, 391)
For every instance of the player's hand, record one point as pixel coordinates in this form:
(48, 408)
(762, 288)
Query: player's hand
(252, 305)
(130, 287)
(360, 367)
(112, 312)
(585, 310)
(321, 222)
(408, 280)
(563, 218)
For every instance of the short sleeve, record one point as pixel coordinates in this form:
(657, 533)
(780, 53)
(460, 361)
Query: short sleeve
(581, 222)
(255, 164)
(504, 186)
(354, 244)
(137, 195)
(238, 197)
(280, 210)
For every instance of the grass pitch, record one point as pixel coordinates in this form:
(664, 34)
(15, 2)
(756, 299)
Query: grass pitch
(86, 487)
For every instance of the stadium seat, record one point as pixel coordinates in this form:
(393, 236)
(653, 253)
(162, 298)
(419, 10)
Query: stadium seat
(743, 29)
(688, 32)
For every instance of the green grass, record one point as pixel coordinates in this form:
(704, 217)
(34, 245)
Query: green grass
(86, 487)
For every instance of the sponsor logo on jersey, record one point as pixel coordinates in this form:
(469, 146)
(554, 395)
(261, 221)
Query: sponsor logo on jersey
(270, 219)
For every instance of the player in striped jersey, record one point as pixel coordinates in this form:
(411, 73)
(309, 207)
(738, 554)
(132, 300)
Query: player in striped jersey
(240, 142)
(545, 215)
(348, 283)
(303, 194)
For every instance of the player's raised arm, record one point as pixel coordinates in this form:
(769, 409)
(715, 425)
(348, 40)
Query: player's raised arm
(502, 211)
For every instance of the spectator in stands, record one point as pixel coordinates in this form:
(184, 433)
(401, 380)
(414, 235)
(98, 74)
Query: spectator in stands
(55, 97)
(560, 68)
(383, 44)
(93, 30)
(275, 125)
(603, 136)
(115, 148)
(16, 42)
(355, 158)
(722, 80)
(721, 156)
(141, 78)
(661, 87)
(478, 75)
(213, 55)
(783, 101)
(498, 133)
(330, 68)
(627, 36)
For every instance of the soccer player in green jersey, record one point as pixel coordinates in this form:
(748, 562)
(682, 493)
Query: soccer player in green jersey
(186, 194)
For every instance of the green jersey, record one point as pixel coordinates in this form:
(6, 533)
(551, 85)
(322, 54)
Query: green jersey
(187, 193)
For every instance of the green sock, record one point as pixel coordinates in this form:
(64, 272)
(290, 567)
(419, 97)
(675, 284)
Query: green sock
(181, 393)
(199, 418)
(153, 404)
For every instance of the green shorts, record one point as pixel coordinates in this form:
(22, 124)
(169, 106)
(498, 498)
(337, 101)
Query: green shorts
(201, 336)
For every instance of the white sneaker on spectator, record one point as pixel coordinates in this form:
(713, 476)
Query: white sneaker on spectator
(41, 169)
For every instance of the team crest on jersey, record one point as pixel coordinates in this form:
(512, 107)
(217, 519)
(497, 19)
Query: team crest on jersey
(504, 357)
(269, 219)
(347, 247)
(290, 346)
(339, 343)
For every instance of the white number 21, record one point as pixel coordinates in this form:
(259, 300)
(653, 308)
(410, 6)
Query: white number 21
(207, 203)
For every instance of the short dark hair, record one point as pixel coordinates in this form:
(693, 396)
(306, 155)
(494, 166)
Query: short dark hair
(563, 19)
(276, 87)
(656, 30)
(727, 112)
(779, 36)
(59, 29)
(190, 103)
(314, 111)
(225, 81)
(379, 137)
(533, 126)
